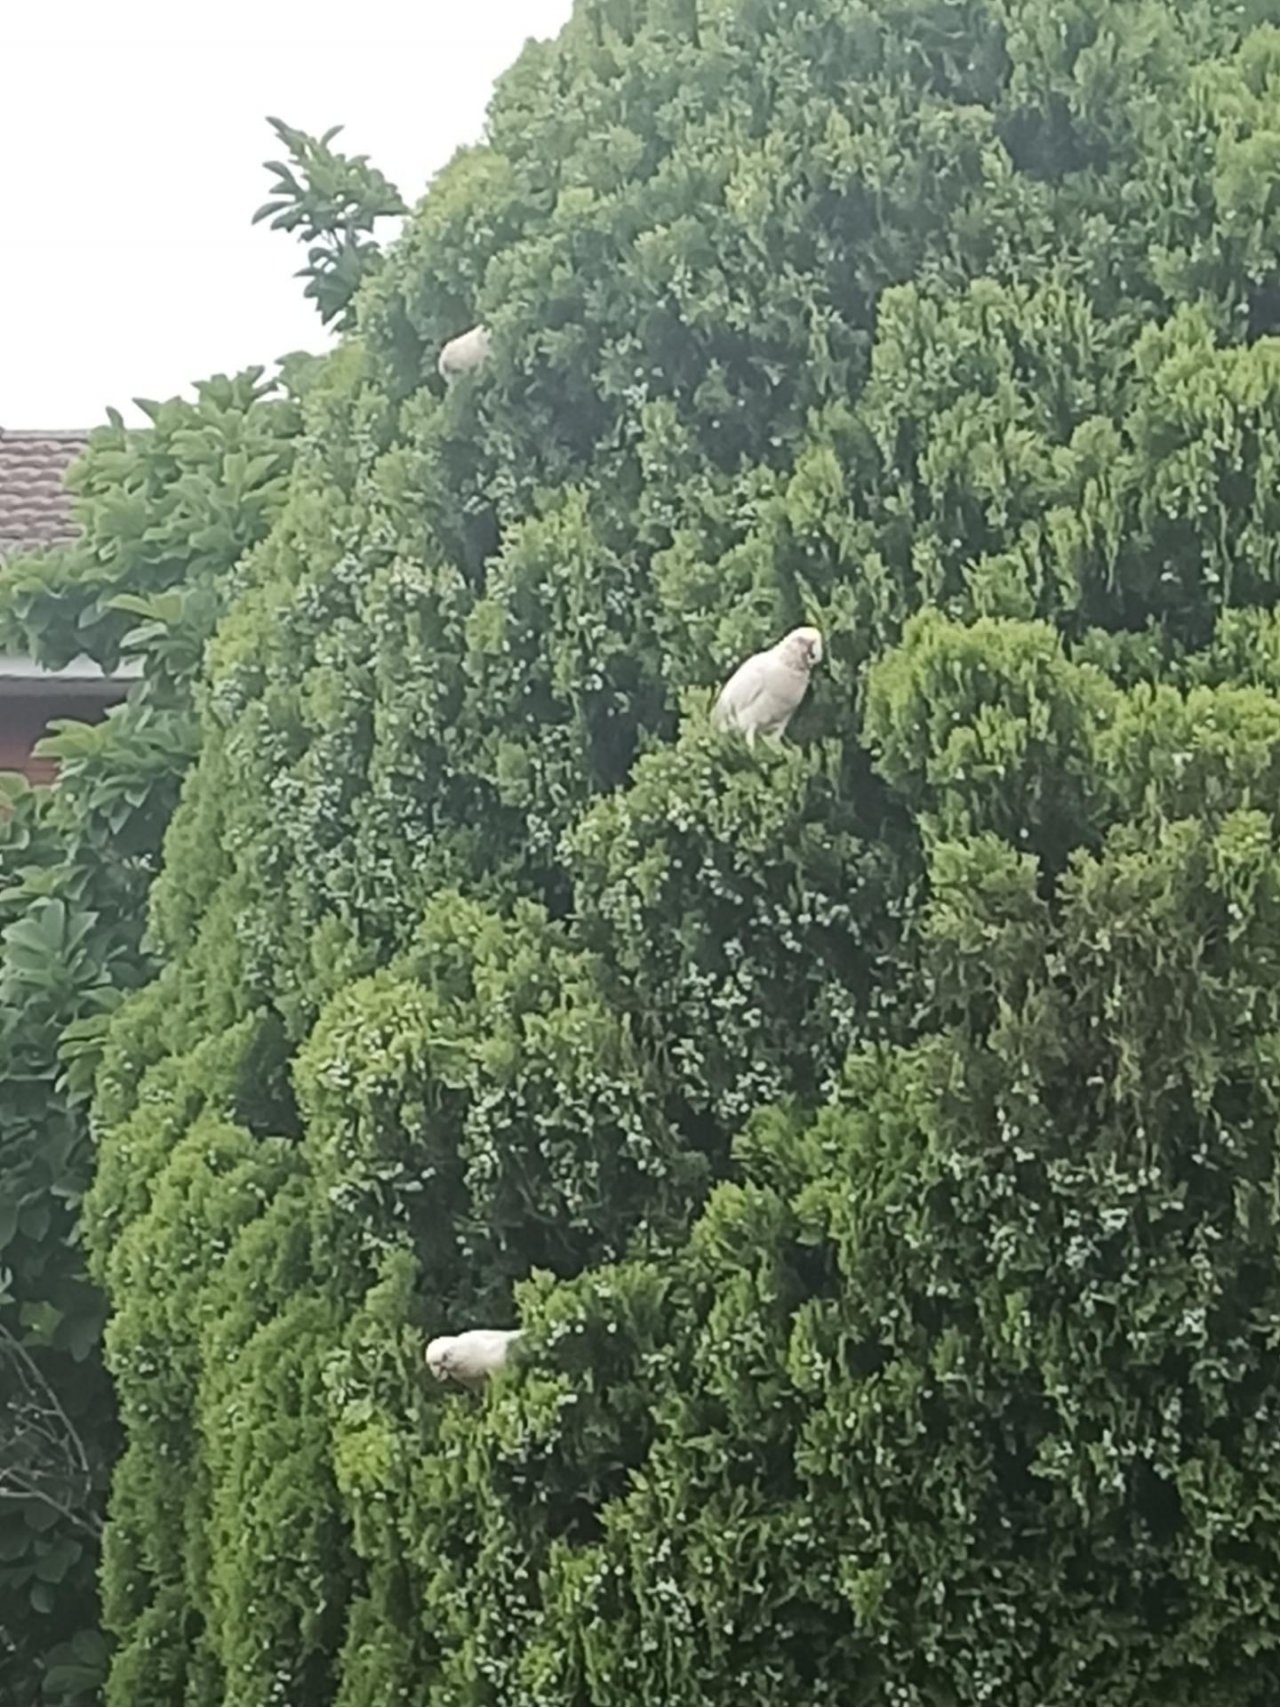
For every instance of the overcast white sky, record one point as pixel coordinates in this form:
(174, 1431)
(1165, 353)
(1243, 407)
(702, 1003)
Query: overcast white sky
(131, 140)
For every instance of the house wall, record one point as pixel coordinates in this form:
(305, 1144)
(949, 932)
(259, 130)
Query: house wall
(25, 718)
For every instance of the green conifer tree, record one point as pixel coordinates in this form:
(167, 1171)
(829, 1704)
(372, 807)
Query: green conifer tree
(875, 1135)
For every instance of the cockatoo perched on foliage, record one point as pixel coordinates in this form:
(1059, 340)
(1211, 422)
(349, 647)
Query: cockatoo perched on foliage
(762, 695)
(470, 1358)
(463, 353)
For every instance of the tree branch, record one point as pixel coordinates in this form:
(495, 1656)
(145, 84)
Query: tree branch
(42, 1429)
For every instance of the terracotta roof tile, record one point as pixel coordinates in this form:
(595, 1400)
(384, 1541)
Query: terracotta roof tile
(35, 508)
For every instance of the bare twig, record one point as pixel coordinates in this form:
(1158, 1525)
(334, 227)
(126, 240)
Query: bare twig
(89, 1523)
(42, 1455)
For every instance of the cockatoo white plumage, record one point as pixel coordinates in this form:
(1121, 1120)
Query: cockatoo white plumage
(465, 352)
(764, 693)
(471, 1357)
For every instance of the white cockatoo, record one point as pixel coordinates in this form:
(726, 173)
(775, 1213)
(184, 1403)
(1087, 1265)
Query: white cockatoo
(762, 695)
(472, 1357)
(462, 354)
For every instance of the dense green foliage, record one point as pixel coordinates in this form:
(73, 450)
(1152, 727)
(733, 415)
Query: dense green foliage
(875, 1135)
(332, 201)
(166, 513)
